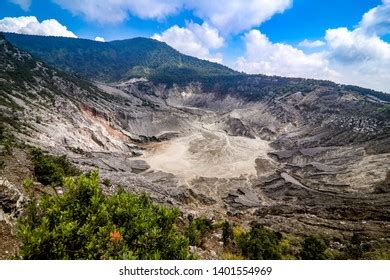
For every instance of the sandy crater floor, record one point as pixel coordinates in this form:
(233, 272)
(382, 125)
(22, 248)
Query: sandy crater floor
(207, 154)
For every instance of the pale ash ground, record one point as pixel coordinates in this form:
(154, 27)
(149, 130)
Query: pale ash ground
(207, 153)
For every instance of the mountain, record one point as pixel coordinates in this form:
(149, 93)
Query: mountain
(142, 57)
(300, 156)
(118, 60)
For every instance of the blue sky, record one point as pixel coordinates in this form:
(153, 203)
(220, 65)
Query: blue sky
(346, 41)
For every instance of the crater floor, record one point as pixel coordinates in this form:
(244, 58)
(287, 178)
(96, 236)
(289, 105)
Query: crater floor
(208, 153)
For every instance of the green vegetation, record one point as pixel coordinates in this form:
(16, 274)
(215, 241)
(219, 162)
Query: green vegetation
(85, 224)
(51, 170)
(7, 141)
(260, 244)
(196, 229)
(313, 248)
(227, 233)
(117, 60)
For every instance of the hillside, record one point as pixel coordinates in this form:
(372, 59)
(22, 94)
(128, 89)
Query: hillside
(118, 60)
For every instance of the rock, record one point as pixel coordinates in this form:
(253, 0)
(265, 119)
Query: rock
(203, 198)
(288, 178)
(243, 198)
(11, 199)
(138, 166)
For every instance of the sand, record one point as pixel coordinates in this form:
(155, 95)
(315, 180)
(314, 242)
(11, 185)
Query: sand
(207, 154)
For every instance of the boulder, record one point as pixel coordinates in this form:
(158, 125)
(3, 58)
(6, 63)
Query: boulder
(11, 199)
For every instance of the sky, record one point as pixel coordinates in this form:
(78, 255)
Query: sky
(346, 41)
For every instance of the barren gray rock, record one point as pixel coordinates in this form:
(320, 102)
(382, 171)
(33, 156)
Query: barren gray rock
(11, 199)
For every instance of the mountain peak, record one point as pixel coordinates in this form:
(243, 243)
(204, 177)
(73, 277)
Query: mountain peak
(118, 60)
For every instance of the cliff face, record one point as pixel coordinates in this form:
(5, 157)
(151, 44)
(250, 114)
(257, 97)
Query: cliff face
(296, 155)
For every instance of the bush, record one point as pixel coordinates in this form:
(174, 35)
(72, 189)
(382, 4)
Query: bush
(85, 224)
(50, 170)
(196, 229)
(7, 140)
(227, 233)
(260, 244)
(313, 248)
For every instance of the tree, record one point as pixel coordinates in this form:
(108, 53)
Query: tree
(260, 244)
(313, 248)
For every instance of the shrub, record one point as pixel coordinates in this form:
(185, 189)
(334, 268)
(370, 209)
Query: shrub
(7, 140)
(260, 244)
(196, 229)
(313, 248)
(50, 170)
(227, 233)
(85, 224)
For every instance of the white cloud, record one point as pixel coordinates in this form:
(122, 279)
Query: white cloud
(31, 25)
(235, 16)
(231, 16)
(359, 56)
(377, 20)
(113, 11)
(263, 56)
(356, 46)
(194, 39)
(99, 39)
(311, 44)
(24, 4)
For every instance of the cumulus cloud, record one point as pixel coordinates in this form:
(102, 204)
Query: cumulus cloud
(235, 16)
(358, 56)
(31, 25)
(24, 4)
(113, 11)
(356, 46)
(377, 20)
(361, 58)
(194, 39)
(231, 16)
(99, 39)
(311, 44)
(361, 55)
(263, 56)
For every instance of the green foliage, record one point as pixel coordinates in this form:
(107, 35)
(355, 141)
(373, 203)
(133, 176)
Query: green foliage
(85, 224)
(196, 229)
(50, 170)
(117, 60)
(7, 140)
(260, 244)
(313, 248)
(290, 246)
(227, 233)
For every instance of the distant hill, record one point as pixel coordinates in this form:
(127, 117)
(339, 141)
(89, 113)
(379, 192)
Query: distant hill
(118, 60)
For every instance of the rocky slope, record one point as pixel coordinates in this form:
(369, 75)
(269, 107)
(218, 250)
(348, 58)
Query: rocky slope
(297, 155)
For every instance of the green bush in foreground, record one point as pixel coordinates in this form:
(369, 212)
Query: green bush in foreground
(85, 224)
